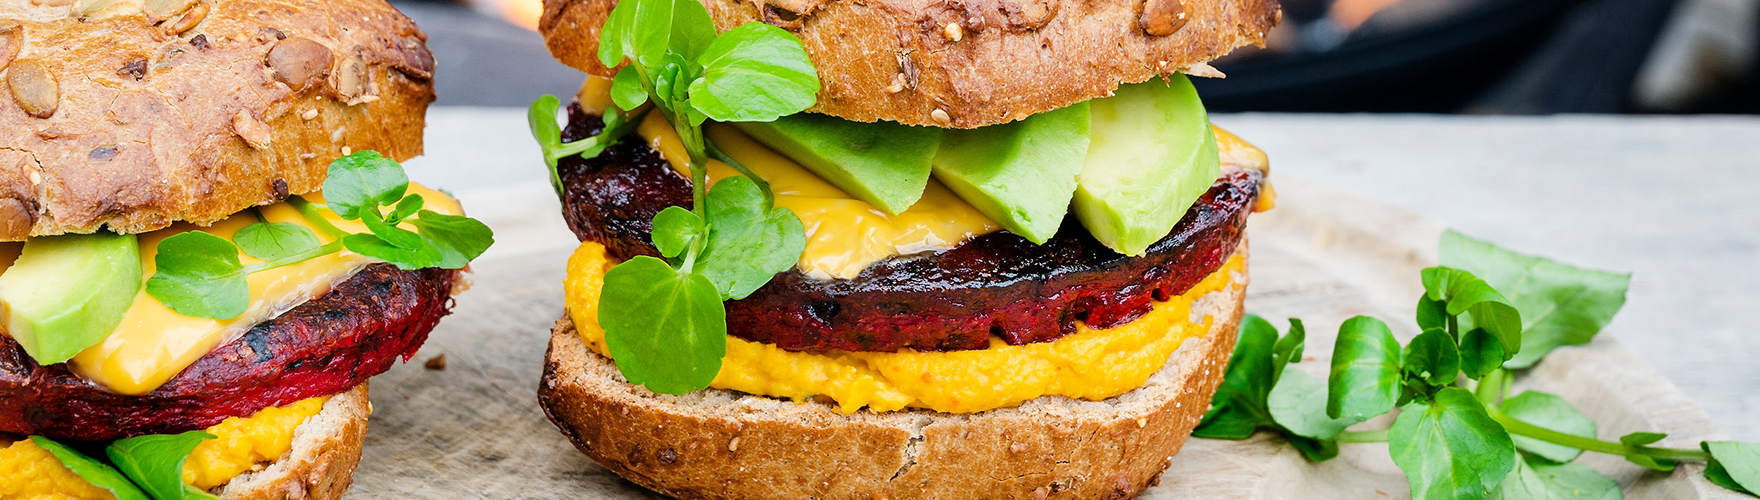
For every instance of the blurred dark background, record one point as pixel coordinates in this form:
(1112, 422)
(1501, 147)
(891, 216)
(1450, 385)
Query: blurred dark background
(1412, 56)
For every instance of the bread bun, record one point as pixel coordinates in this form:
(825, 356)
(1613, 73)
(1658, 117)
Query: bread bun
(965, 64)
(728, 445)
(326, 449)
(133, 114)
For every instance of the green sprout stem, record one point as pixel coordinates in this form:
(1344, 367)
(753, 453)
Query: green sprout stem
(1525, 429)
(1490, 389)
(309, 211)
(717, 153)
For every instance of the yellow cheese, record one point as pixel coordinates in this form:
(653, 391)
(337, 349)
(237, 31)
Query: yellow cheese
(154, 343)
(844, 235)
(1089, 364)
(28, 472)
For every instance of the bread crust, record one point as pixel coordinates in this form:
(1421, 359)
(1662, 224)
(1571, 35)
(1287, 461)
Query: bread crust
(133, 114)
(965, 63)
(717, 444)
(326, 449)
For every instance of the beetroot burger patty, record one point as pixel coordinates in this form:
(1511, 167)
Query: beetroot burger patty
(995, 285)
(322, 347)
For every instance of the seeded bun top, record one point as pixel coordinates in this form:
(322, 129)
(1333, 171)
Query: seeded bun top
(965, 63)
(133, 114)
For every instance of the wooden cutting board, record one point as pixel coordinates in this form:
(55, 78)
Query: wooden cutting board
(474, 429)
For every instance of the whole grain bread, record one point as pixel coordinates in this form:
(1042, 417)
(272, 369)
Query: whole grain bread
(326, 449)
(717, 444)
(134, 114)
(965, 63)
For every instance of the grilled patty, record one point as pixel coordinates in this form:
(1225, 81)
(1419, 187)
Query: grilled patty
(994, 285)
(325, 346)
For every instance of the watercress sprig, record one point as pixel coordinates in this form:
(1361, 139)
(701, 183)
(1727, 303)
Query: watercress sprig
(199, 274)
(140, 468)
(1459, 435)
(664, 318)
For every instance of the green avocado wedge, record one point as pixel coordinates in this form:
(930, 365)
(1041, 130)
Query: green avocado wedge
(67, 293)
(1020, 174)
(884, 164)
(1151, 155)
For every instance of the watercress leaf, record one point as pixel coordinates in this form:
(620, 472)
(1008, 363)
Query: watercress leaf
(1541, 481)
(1239, 407)
(1315, 450)
(1740, 462)
(1641, 438)
(1432, 313)
(1450, 449)
(1298, 403)
(1365, 370)
(361, 182)
(1560, 304)
(616, 35)
(408, 259)
(1719, 475)
(666, 329)
(198, 275)
(749, 241)
(1551, 412)
(95, 472)
(1485, 308)
(1652, 463)
(1480, 352)
(1432, 358)
(626, 89)
(541, 119)
(1289, 348)
(1646, 461)
(155, 462)
(457, 238)
(405, 208)
(646, 30)
(755, 73)
(275, 240)
(396, 236)
(674, 230)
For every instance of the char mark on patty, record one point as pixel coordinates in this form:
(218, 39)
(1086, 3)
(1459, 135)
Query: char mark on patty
(997, 285)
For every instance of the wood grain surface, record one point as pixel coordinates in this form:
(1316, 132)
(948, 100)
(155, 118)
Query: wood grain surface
(474, 430)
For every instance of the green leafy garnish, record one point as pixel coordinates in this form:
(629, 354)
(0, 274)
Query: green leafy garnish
(1534, 481)
(91, 470)
(1450, 448)
(155, 463)
(1365, 370)
(1560, 304)
(666, 328)
(1257, 393)
(200, 275)
(664, 320)
(1551, 412)
(1457, 436)
(275, 240)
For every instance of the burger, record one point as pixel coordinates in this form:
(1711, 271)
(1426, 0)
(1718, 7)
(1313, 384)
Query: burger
(895, 249)
(208, 246)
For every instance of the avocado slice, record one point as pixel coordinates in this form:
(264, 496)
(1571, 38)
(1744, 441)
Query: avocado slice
(1020, 174)
(884, 164)
(1151, 156)
(67, 293)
